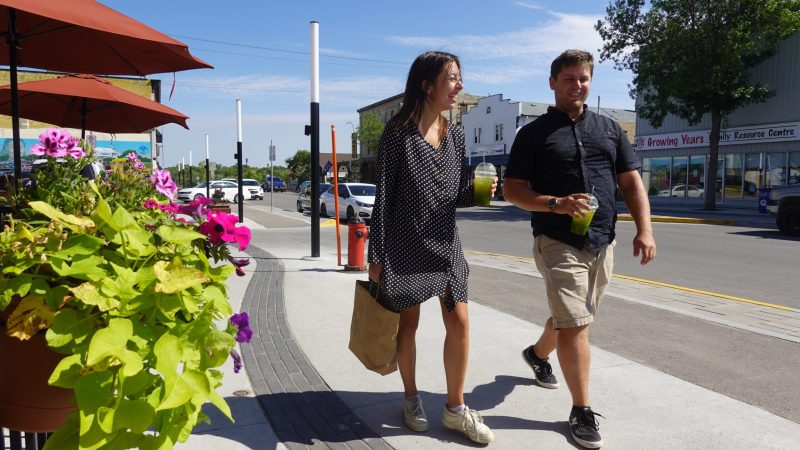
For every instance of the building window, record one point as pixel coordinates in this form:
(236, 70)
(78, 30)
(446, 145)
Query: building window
(498, 132)
(794, 168)
(732, 180)
(679, 175)
(696, 176)
(752, 175)
(477, 135)
(655, 175)
(775, 170)
(488, 110)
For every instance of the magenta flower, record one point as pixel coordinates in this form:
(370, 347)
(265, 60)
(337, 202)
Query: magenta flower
(150, 204)
(197, 208)
(162, 181)
(134, 159)
(242, 322)
(57, 143)
(238, 263)
(221, 227)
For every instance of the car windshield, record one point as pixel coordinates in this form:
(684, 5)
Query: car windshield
(362, 190)
(250, 182)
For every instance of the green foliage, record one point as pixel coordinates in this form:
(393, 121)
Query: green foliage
(369, 131)
(693, 57)
(300, 165)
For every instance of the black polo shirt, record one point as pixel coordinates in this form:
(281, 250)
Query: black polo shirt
(560, 157)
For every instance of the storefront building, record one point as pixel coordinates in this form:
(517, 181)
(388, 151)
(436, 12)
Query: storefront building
(759, 144)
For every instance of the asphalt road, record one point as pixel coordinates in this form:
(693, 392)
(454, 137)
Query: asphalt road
(742, 262)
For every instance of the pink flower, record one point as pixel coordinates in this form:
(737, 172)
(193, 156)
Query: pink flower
(197, 208)
(238, 263)
(162, 180)
(221, 227)
(134, 158)
(150, 204)
(57, 143)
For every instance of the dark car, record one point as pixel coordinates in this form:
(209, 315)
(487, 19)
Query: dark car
(304, 198)
(276, 182)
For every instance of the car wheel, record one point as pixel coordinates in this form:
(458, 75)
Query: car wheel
(236, 198)
(323, 211)
(299, 207)
(789, 220)
(350, 213)
(198, 196)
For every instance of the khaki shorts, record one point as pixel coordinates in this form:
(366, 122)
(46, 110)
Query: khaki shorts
(575, 279)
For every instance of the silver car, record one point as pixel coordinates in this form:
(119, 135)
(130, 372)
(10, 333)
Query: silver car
(229, 188)
(355, 200)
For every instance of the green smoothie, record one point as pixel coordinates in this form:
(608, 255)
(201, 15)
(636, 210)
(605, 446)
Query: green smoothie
(580, 225)
(483, 190)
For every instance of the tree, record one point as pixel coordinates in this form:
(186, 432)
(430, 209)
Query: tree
(369, 131)
(690, 58)
(300, 165)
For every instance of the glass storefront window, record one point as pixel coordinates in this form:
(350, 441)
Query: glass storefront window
(679, 168)
(655, 175)
(732, 181)
(752, 175)
(775, 170)
(696, 176)
(794, 168)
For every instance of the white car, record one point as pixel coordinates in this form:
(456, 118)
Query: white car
(229, 188)
(355, 200)
(681, 190)
(256, 192)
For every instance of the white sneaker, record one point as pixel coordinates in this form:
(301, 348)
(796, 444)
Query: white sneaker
(414, 414)
(468, 422)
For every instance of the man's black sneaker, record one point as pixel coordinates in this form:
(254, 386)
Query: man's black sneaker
(584, 427)
(541, 368)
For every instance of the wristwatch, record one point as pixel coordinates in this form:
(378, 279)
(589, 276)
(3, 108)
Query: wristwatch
(552, 203)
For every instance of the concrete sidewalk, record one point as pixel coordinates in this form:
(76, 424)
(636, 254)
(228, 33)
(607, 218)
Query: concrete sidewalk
(303, 380)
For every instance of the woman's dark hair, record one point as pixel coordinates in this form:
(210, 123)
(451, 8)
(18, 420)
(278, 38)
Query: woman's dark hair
(426, 67)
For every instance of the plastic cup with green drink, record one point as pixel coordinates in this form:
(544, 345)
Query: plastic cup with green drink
(485, 174)
(580, 224)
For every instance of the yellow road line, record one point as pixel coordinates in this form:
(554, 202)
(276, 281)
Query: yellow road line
(658, 283)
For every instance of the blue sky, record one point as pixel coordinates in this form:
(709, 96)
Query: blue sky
(260, 53)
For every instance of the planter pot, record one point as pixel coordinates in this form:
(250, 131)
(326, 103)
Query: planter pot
(27, 402)
(224, 207)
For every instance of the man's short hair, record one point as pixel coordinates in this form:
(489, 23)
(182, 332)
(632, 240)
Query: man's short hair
(571, 57)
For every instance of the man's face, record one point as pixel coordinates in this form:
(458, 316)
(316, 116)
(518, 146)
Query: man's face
(571, 88)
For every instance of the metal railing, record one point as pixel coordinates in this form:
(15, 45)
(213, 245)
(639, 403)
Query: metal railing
(18, 440)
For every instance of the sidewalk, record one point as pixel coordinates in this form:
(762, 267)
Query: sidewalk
(316, 394)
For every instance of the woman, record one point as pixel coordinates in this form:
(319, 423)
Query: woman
(414, 248)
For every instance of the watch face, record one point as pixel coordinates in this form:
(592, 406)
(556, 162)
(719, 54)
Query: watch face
(552, 203)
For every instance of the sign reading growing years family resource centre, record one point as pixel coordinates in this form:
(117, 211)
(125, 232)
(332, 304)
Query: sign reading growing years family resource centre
(752, 134)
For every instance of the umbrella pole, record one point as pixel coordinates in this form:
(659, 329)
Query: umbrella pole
(84, 113)
(12, 40)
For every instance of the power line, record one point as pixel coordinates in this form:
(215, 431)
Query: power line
(304, 61)
(234, 44)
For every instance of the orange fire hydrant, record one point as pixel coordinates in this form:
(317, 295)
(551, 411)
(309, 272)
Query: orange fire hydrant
(357, 235)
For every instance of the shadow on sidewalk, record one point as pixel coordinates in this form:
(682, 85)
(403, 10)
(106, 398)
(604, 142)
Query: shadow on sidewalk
(767, 234)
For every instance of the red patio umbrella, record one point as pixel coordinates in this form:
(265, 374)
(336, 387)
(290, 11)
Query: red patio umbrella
(87, 102)
(82, 36)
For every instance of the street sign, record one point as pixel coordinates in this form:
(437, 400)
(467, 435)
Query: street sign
(327, 167)
(272, 153)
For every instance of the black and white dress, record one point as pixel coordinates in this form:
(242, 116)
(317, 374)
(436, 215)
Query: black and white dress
(413, 228)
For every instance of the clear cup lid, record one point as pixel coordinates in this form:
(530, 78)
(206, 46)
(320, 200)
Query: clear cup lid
(485, 169)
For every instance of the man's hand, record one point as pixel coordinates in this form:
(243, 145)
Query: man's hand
(375, 271)
(573, 205)
(644, 243)
(494, 186)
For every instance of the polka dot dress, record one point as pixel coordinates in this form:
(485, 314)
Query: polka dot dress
(413, 228)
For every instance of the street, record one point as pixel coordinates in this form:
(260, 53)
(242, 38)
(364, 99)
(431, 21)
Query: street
(756, 264)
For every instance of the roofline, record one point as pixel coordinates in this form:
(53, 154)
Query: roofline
(388, 99)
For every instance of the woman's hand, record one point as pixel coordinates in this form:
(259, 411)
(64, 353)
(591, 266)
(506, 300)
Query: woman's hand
(494, 186)
(375, 271)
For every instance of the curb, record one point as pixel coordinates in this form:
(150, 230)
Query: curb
(669, 219)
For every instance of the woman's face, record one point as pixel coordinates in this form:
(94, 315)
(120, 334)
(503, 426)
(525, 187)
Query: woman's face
(442, 95)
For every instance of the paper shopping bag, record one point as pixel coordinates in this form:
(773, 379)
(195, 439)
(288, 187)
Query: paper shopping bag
(373, 330)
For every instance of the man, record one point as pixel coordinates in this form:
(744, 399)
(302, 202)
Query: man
(555, 162)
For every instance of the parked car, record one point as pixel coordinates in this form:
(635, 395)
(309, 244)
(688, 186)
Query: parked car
(302, 186)
(784, 203)
(268, 183)
(304, 197)
(681, 190)
(355, 199)
(229, 188)
(256, 192)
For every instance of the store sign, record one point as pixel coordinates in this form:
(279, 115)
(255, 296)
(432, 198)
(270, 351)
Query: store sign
(488, 150)
(753, 134)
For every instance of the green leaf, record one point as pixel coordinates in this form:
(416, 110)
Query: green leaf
(110, 341)
(124, 219)
(94, 390)
(67, 372)
(79, 244)
(215, 295)
(134, 414)
(79, 224)
(217, 347)
(168, 353)
(175, 277)
(135, 243)
(68, 329)
(89, 294)
(218, 401)
(66, 436)
(190, 385)
(83, 267)
(178, 235)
